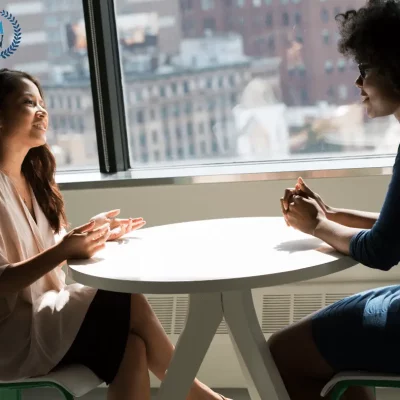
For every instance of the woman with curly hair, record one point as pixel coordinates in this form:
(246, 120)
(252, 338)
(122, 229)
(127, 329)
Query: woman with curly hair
(361, 332)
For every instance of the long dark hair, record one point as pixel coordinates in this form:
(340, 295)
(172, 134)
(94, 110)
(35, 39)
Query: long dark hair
(39, 165)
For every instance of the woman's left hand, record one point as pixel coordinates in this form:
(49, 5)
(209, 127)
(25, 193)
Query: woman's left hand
(118, 226)
(303, 214)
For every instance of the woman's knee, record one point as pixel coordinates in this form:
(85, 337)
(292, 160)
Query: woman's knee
(141, 311)
(136, 346)
(295, 352)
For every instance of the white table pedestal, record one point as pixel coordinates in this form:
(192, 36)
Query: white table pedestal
(204, 316)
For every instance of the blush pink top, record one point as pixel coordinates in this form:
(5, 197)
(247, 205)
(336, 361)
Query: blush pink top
(39, 324)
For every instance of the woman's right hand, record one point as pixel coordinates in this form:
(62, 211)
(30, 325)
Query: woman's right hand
(301, 189)
(84, 241)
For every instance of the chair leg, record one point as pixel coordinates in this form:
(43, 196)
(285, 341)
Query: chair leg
(10, 394)
(67, 395)
(338, 391)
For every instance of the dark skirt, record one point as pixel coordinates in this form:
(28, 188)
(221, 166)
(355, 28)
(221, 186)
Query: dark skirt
(361, 332)
(101, 340)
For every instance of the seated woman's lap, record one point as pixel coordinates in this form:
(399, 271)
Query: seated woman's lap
(360, 332)
(101, 341)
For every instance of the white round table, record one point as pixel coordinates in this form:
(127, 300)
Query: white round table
(217, 262)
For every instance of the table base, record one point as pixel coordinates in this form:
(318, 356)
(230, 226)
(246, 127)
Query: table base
(206, 311)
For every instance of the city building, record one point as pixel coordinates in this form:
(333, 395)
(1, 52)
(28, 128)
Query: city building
(303, 33)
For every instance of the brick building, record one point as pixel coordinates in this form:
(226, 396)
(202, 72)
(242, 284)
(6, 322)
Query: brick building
(303, 33)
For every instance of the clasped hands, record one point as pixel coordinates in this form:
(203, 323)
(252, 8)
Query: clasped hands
(302, 208)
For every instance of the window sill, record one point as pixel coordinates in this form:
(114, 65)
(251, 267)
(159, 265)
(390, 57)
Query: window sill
(185, 174)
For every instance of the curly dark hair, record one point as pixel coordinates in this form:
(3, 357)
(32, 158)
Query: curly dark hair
(371, 35)
(39, 165)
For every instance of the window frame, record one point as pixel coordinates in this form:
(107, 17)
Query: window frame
(107, 85)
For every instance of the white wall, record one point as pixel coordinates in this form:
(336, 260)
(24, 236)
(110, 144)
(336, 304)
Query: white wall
(168, 204)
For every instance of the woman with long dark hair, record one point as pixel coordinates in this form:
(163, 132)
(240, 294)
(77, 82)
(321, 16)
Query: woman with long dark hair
(45, 323)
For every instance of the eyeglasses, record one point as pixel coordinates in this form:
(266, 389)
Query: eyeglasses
(363, 68)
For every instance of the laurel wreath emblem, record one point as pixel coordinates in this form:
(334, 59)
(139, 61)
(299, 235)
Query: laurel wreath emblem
(17, 35)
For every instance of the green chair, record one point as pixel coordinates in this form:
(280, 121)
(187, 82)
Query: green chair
(72, 381)
(340, 382)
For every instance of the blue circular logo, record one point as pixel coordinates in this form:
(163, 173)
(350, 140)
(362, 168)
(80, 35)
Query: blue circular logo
(10, 50)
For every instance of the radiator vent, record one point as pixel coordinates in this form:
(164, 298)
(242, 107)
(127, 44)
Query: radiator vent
(278, 310)
(281, 310)
(180, 314)
(182, 304)
(275, 312)
(163, 307)
(305, 304)
(331, 298)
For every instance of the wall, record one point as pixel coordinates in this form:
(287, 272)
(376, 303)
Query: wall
(169, 204)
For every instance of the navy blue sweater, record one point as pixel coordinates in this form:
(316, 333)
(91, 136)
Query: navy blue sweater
(379, 247)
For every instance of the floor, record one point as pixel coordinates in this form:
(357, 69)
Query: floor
(100, 394)
(50, 394)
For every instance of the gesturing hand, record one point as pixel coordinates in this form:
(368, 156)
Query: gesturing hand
(118, 226)
(84, 241)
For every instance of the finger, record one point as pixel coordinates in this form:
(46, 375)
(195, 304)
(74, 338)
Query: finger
(287, 196)
(298, 199)
(117, 233)
(124, 221)
(284, 212)
(85, 228)
(98, 248)
(113, 213)
(129, 227)
(137, 226)
(99, 232)
(303, 185)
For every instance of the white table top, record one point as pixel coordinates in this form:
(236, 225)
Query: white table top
(209, 256)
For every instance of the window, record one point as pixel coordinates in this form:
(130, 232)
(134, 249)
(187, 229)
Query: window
(207, 5)
(342, 92)
(188, 108)
(140, 117)
(285, 19)
(186, 87)
(341, 64)
(325, 36)
(271, 43)
(187, 5)
(155, 136)
(205, 88)
(324, 15)
(174, 88)
(209, 24)
(269, 19)
(143, 139)
(329, 66)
